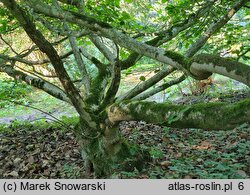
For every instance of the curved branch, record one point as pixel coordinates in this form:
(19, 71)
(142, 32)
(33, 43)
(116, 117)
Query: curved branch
(27, 52)
(243, 53)
(170, 33)
(76, 52)
(19, 58)
(203, 65)
(209, 116)
(113, 84)
(91, 58)
(62, 32)
(9, 45)
(80, 63)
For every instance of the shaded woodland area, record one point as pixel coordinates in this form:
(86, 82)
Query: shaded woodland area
(124, 89)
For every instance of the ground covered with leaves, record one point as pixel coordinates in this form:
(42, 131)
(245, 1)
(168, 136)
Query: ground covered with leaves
(34, 152)
(192, 153)
(46, 150)
(29, 152)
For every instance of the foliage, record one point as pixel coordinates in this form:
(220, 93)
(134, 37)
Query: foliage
(12, 90)
(5, 20)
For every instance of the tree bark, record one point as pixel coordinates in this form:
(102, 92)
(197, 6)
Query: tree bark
(208, 116)
(204, 65)
(107, 150)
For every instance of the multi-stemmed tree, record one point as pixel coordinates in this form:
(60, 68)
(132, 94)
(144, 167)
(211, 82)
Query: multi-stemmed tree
(106, 37)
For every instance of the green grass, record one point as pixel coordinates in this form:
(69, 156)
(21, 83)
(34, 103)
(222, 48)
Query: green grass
(64, 124)
(37, 99)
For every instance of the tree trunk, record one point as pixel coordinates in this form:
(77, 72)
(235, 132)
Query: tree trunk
(104, 150)
(103, 147)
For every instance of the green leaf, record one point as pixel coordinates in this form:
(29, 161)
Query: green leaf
(142, 78)
(125, 15)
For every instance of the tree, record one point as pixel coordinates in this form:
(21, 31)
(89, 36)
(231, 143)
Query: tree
(121, 33)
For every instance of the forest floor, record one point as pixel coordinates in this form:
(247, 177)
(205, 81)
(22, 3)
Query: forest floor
(48, 150)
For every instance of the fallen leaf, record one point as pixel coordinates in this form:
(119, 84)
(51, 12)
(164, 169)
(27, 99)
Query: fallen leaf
(31, 160)
(17, 161)
(178, 155)
(165, 163)
(242, 173)
(46, 172)
(13, 174)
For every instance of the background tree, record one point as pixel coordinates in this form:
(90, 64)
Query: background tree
(84, 46)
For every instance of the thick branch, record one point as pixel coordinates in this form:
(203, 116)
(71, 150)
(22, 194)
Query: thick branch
(204, 65)
(106, 30)
(36, 82)
(103, 49)
(118, 37)
(209, 116)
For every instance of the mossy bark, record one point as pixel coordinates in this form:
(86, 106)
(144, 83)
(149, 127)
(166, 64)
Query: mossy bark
(203, 65)
(104, 149)
(215, 115)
